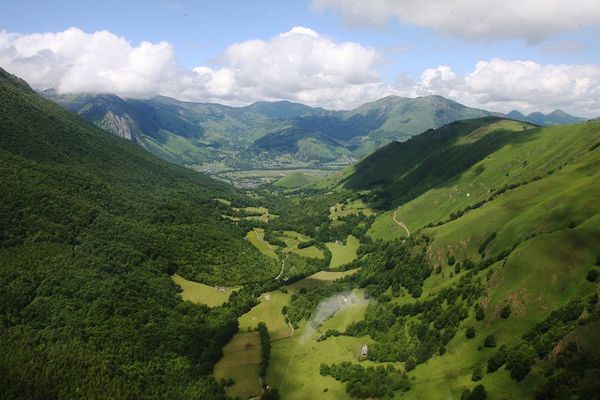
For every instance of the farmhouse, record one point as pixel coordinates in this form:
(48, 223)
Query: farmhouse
(364, 352)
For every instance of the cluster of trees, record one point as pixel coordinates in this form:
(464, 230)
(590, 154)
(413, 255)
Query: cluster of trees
(538, 342)
(370, 382)
(415, 332)
(265, 343)
(304, 304)
(391, 265)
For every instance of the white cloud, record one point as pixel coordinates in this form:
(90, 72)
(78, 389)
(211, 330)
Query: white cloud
(532, 20)
(297, 65)
(504, 85)
(75, 61)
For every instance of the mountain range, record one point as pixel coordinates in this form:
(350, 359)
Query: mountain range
(281, 134)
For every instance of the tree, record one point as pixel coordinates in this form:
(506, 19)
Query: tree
(451, 260)
(519, 361)
(490, 341)
(479, 393)
(506, 311)
(477, 374)
(470, 332)
(479, 313)
(593, 275)
(497, 360)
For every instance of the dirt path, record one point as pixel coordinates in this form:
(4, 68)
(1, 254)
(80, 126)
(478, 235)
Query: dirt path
(401, 224)
(264, 241)
(281, 272)
(291, 327)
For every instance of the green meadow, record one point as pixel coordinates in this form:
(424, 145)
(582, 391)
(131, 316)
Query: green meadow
(200, 293)
(343, 253)
(241, 362)
(257, 237)
(269, 312)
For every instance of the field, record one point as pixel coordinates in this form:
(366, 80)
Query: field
(257, 238)
(344, 317)
(294, 365)
(319, 279)
(292, 239)
(241, 362)
(355, 207)
(201, 293)
(343, 253)
(269, 312)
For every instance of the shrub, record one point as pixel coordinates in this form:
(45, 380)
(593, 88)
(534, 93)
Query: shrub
(479, 313)
(506, 311)
(593, 275)
(490, 341)
(477, 374)
(470, 333)
(497, 360)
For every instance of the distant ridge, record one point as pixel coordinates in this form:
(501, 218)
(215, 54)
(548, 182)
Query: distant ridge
(556, 117)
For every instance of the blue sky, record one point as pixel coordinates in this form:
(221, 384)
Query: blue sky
(406, 45)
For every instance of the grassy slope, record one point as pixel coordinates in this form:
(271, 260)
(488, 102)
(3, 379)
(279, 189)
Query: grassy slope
(543, 273)
(296, 180)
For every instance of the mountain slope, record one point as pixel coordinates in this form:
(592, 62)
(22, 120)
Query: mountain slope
(506, 220)
(92, 227)
(364, 129)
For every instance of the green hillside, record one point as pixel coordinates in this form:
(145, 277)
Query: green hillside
(296, 180)
(92, 228)
(481, 271)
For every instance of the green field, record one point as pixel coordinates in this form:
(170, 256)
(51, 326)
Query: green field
(353, 313)
(269, 312)
(343, 253)
(292, 239)
(201, 293)
(241, 362)
(344, 209)
(319, 279)
(257, 237)
(294, 365)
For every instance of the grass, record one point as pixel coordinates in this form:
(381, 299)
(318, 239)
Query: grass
(269, 312)
(528, 154)
(294, 365)
(257, 237)
(319, 279)
(201, 293)
(292, 239)
(355, 207)
(241, 362)
(343, 253)
(295, 179)
(347, 315)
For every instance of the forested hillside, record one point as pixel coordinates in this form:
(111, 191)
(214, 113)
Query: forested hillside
(92, 227)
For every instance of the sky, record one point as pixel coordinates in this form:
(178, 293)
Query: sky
(530, 55)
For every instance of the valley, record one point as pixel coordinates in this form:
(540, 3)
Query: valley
(462, 260)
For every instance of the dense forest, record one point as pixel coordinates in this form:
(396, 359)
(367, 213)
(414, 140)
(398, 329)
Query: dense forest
(92, 227)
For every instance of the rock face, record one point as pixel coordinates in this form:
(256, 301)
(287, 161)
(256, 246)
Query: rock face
(118, 125)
